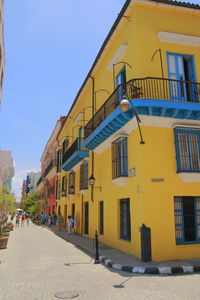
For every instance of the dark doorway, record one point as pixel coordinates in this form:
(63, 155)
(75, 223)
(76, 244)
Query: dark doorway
(86, 217)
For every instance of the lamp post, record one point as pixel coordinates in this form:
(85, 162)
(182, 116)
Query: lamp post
(113, 67)
(91, 183)
(125, 106)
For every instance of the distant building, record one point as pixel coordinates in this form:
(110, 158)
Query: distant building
(23, 188)
(6, 169)
(32, 180)
(49, 164)
(30, 184)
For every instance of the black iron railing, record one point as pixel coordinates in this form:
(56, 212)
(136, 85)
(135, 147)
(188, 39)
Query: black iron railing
(77, 145)
(49, 168)
(39, 181)
(147, 88)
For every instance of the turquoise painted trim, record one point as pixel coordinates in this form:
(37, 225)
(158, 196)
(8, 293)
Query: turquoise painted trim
(177, 86)
(75, 159)
(150, 107)
(186, 131)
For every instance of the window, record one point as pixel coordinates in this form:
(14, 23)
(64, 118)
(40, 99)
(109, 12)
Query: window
(125, 226)
(73, 211)
(121, 83)
(71, 185)
(182, 67)
(119, 158)
(65, 145)
(84, 176)
(57, 189)
(187, 141)
(86, 217)
(59, 160)
(101, 217)
(64, 186)
(187, 219)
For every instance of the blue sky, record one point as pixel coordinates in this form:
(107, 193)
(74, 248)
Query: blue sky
(50, 46)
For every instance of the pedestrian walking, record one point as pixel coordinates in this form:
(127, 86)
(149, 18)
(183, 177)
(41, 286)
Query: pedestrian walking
(54, 218)
(69, 224)
(60, 222)
(44, 218)
(49, 220)
(17, 220)
(22, 220)
(27, 220)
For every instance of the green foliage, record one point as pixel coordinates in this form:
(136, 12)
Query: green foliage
(7, 204)
(32, 203)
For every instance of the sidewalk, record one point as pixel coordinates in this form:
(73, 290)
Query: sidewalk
(119, 260)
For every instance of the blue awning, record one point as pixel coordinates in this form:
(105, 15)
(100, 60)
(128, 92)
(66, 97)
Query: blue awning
(75, 159)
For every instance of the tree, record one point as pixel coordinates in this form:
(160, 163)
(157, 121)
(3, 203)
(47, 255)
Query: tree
(32, 203)
(7, 205)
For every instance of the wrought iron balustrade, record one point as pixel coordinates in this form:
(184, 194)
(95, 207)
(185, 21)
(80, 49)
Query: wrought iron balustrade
(49, 168)
(77, 145)
(39, 181)
(145, 88)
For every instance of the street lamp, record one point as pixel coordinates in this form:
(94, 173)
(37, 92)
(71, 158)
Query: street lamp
(125, 105)
(91, 183)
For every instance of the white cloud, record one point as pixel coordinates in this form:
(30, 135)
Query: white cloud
(17, 181)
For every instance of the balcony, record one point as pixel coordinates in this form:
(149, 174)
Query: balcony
(49, 168)
(150, 96)
(74, 155)
(39, 181)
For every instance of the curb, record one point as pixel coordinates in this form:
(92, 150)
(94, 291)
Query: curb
(172, 270)
(168, 270)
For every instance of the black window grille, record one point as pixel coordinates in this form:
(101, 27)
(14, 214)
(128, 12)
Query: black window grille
(187, 219)
(86, 218)
(119, 158)
(187, 141)
(84, 176)
(57, 189)
(125, 222)
(65, 145)
(59, 160)
(64, 186)
(101, 217)
(71, 184)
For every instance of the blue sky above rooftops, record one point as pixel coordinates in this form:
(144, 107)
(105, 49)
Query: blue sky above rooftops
(50, 46)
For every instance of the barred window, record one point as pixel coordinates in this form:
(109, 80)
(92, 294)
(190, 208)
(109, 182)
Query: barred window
(84, 176)
(119, 158)
(64, 186)
(57, 189)
(71, 184)
(125, 224)
(187, 141)
(187, 219)
(65, 145)
(59, 160)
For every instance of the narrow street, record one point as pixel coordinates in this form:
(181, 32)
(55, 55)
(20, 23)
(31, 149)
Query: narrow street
(33, 268)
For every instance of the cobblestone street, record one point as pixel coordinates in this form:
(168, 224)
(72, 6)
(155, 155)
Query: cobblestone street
(33, 268)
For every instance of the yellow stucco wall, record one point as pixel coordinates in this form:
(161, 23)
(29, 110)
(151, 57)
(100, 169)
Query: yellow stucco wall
(151, 203)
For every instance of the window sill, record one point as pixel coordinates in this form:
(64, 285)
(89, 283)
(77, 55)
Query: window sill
(121, 181)
(187, 243)
(125, 239)
(71, 195)
(189, 176)
(83, 191)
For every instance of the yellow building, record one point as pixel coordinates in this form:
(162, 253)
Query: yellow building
(142, 155)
